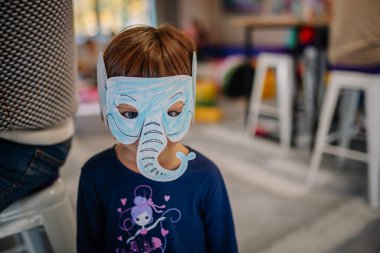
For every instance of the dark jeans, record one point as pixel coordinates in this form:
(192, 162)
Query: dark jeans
(28, 168)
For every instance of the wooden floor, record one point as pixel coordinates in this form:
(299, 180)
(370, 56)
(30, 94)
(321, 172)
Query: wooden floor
(273, 211)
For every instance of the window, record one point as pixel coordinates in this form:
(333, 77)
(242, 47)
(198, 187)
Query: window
(106, 17)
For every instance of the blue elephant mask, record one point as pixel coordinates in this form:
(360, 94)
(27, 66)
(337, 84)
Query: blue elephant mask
(151, 125)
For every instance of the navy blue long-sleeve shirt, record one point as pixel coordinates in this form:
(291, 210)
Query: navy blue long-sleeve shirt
(121, 211)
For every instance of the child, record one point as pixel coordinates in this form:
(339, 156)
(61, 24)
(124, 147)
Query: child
(149, 193)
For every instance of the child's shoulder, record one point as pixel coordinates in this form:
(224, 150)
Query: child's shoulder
(98, 161)
(203, 165)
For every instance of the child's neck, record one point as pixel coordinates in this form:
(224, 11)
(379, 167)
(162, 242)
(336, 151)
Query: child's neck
(167, 159)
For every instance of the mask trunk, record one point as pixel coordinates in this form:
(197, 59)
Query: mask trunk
(152, 142)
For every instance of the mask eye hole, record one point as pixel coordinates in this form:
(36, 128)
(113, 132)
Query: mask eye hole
(175, 109)
(128, 111)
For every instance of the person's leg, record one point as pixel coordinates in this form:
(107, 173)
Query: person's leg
(27, 168)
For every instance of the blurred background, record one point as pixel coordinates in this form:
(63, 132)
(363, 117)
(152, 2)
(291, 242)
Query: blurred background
(298, 165)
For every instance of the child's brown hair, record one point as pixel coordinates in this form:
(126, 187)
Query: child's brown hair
(143, 51)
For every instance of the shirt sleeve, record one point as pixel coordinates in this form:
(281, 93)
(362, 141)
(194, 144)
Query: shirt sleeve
(217, 216)
(90, 217)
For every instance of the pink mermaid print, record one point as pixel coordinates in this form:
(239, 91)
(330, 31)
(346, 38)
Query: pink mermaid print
(138, 221)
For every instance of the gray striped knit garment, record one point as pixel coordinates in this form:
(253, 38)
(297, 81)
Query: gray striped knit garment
(37, 63)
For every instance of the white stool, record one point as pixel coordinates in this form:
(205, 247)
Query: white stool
(50, 208)
(284, 66)
(370, 84)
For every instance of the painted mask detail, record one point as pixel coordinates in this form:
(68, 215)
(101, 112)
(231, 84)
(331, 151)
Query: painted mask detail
(152, 126)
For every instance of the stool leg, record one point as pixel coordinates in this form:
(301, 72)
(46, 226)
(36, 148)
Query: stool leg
(29, 242)
(373, 140)
(254, 108)
(348, 110)
(323, 130)
(60, 227)
(285, 84)
(309, 85)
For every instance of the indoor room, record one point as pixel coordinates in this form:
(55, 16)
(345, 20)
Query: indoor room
(190, 126)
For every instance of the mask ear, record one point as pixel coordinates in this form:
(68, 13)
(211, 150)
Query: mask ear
(194, 76)
(102, 86)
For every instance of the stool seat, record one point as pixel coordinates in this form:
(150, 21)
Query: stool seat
(361, 69)
(35, 203)
(49, 208)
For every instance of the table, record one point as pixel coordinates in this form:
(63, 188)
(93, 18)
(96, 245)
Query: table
(265, 22)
